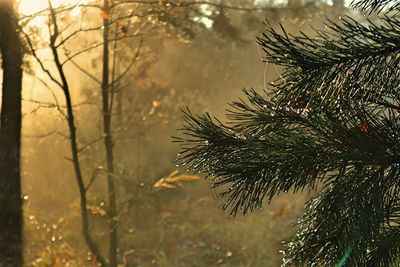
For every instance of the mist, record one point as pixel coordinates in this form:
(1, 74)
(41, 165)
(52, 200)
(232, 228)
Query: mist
(164, 59)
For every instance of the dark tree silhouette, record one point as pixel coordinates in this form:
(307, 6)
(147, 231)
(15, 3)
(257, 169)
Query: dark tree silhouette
(108, 142)
(331, 122)
(10, 131)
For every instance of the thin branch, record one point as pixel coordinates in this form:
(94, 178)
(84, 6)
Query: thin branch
(71, 35)
(93, 178)
(73, 141)
(86, 146)
(195, 3)
(84, 71)
(128, 68)
(39, 61)
(55, 132)
(96, 46)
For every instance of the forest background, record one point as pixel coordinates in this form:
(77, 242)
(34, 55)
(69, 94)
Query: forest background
(162, 57)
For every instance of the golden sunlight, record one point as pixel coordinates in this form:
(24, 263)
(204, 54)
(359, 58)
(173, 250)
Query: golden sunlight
(29, 7)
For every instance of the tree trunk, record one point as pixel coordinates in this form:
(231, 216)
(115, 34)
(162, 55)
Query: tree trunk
(73, 143)
(108, 143)
(11, 221)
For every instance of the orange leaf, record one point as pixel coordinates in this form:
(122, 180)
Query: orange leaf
(105, 15)
(364, 127)
(123, 26)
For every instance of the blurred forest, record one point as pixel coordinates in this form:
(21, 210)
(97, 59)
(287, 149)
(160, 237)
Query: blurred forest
(129, 68)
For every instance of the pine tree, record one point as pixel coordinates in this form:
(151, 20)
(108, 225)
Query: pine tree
(331, 123)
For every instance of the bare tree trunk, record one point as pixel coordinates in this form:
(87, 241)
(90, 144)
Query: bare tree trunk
(11, 220)
(114, 94)
(74, 144)
(108, 143)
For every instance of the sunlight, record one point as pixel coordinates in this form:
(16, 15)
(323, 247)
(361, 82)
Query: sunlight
(29, 7)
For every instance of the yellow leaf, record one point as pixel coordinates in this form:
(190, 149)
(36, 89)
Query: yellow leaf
(172, 181)
(96, 210)
(173, 173)
(162, 183)
(156, 103)
(188, 178)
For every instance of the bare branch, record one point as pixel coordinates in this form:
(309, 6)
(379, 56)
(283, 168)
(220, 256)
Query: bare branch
(194, 3)
(93, 177)
(55, 132)
(96, 45)
(88, 74)
(74, 33)
(39, 61)
(128, 68)
(73, 142)
(47, 86)
(57, 11)
(86, 146)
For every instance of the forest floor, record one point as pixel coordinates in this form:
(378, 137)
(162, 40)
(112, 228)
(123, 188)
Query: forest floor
(181, 227)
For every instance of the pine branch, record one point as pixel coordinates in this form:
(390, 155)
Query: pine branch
(267, 150)
(386, 250)
(350, 61)
(343, 222)
(288, 151)
(332, 120)
(377, 6)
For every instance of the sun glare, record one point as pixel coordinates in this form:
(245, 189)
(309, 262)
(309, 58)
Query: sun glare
(29, 7)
